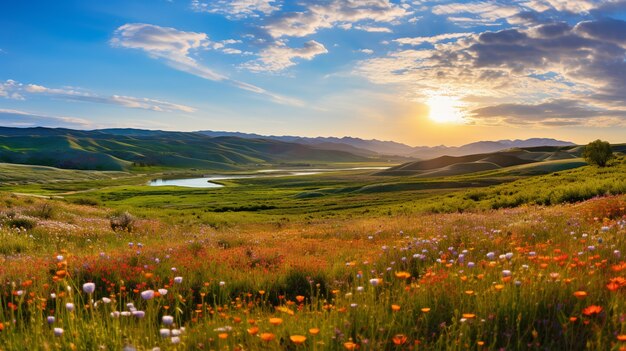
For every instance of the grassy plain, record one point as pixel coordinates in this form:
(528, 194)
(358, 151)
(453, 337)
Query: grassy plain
(337, 261)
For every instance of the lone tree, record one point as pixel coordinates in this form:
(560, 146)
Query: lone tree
(598, 153)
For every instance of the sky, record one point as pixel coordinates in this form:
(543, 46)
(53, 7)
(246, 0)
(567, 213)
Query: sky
(418, 72)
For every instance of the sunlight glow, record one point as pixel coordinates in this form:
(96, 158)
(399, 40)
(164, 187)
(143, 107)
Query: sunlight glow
(445, 109)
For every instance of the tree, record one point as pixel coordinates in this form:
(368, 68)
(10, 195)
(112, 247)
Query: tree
(598, 153)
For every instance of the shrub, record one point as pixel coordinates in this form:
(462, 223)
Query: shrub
(122, 221)
(22, 222)
(45, 211)
(85, 201)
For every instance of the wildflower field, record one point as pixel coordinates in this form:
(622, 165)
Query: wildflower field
(530, 277)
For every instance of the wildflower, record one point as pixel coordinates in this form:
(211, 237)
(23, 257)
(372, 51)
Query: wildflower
(58, 331)
(300, 298)
(147, 294)
(506, 273)
(349, 345)
(297, 339)
(403, 275)
(164, 332)
(621, 337)
(469, 315)
(162, 292)
(167, 320)
(222, 335)
(267, 337)
(395, 308)
(178, 280)
(399, 339)
(276, 321)
(314, 331)
(426, 309)
(222, 283)
(498, 287)
(592, 310)
(375, 281)
(175, 340)
(50, 319)
(106, 300)
(580, 294)
(69, 306)
(89, 288)
(253, 330)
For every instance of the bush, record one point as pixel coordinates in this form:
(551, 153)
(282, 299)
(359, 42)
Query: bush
(122, 221)
(85, 201)
(45, 211)
(598, 153)
(22, 222)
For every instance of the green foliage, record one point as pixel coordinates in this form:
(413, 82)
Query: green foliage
(21, 222)
(598, 153)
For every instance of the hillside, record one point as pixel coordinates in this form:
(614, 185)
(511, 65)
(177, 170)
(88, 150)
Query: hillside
(457, 165)
(125, 149)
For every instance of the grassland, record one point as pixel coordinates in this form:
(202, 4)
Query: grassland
(522, 257)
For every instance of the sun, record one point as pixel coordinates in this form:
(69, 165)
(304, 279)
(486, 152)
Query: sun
(445, 109)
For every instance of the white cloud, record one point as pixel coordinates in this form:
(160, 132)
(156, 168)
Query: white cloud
(174, 47)
(15, 118)
(373, 29)
(367, 51)
(279, 56)
(431, 40)
(334, 13)
(16, 90)
(236, 9)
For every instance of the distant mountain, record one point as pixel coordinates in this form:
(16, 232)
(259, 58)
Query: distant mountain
(372, 147)
(119, 149)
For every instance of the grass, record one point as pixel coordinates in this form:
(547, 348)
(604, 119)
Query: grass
(522, 278)
(337, 261)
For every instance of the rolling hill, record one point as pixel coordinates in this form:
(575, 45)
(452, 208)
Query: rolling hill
(528, 160)
(127, 148)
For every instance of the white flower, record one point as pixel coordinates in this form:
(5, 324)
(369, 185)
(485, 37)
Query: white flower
(125, 313)
(175, 340)
(222, 283)
(58, 331)
(164, 332)
(51, 319)
(89, 288)
(147, 294)
(115, 314)
(139, 314)
(167, 320)
(178, 280)
(59, 258)
(374, 281)
(163, 292)
(106, 300)
(69, 306)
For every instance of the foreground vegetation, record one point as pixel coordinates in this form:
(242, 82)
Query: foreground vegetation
(525, 278)
(336, 261)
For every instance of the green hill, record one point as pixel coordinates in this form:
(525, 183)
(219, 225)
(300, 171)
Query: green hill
(119, 149)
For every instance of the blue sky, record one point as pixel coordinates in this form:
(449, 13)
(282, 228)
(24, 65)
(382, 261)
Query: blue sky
(419, 72)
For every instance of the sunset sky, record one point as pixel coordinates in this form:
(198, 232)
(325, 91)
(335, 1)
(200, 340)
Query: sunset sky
(417, 72)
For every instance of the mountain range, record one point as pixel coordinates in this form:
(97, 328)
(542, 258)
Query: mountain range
(373, 147)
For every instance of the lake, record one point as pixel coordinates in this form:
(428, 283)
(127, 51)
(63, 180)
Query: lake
(207, 181)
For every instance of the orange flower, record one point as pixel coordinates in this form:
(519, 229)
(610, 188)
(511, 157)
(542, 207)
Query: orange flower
(300, 298)
(298, 339)
(349, 345)
(480, 343)
(469, 292)
(253, 330)
(592, 310)
(580, 294)
(395, 308)
(621, 337)
(314, 331)
(469, 315)
(261, 292)
(498, 287)
(426, 309)
(403, 275)
(399, 339)
(223, 335)
(267, 337)
(276, 321)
